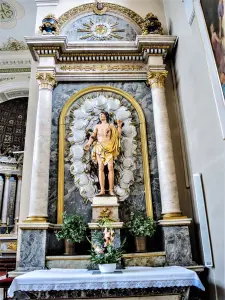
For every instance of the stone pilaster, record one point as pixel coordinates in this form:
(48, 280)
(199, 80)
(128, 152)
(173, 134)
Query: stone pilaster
(11, 202)
(5, 199)
(18, 195)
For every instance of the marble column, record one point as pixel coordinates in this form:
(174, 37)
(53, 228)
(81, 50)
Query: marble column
(175, 227)
(167, 175)
(41, 157)
(5, 199)
(18, 194)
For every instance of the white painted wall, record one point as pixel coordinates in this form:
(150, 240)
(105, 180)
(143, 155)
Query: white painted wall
(204, 144)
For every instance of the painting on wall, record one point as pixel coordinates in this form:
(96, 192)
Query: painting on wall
(215, 20)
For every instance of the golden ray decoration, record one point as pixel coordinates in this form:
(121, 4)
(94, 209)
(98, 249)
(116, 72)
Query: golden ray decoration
(100, 31)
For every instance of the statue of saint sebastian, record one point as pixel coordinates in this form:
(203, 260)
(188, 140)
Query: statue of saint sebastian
(106, 146)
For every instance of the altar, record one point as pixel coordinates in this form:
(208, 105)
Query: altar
(80, 283)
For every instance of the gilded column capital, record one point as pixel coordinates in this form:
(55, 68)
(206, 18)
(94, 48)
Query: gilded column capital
(156, 79)
(46, 80)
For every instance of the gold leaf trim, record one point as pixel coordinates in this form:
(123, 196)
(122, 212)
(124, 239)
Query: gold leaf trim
(101, 68)
(111, 7)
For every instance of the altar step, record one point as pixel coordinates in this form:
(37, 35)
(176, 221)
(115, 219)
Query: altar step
(149, 259)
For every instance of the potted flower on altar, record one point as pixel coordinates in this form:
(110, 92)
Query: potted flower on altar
(103, 252)
(141, 226)
(73, 231)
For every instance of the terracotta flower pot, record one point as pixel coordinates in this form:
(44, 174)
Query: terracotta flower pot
(140, 242)
(69, 248)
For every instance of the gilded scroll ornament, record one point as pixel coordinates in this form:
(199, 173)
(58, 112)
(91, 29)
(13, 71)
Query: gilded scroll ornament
(157, 79)
(105, 213)
(13, 45)
(46, 80)
(151, 25)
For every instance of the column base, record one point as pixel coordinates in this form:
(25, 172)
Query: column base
(177, 241)
(36, 219)
(173, 215)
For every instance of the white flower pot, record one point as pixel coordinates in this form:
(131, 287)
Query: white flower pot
(107, 268)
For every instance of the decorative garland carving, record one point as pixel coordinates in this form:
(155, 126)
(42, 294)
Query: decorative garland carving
(157, 79)
(101, 68)
(91, 7)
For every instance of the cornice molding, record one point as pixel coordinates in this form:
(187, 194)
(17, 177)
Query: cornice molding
(139, 50)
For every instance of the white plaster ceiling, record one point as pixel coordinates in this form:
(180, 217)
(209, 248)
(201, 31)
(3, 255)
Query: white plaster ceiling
(17, 19)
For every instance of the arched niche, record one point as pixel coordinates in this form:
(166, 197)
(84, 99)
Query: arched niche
(62, 143)
(85, 22)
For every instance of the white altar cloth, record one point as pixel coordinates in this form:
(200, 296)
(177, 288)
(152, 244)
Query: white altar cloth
(82, 279)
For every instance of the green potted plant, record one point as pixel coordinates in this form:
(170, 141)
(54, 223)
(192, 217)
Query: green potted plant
(103, 252)
(141, 226)
(73, 231)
